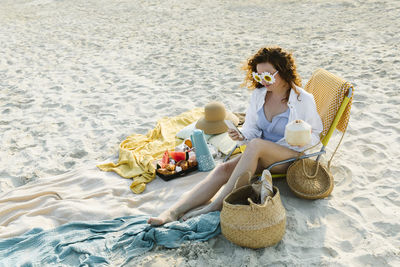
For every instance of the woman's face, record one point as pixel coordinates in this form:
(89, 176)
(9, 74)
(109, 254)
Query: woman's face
(268, 67)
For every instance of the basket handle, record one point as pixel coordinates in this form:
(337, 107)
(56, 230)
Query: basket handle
(304, 169)
(246, 175)
(307, 175)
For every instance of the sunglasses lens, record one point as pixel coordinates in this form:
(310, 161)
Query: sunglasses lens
(267, 78)
(257, 77)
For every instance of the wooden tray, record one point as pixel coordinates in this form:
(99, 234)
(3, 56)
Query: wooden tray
(177, 174)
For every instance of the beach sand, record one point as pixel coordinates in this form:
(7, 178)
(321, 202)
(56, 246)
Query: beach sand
(77, 77)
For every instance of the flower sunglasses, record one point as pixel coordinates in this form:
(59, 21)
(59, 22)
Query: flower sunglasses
(266, 76)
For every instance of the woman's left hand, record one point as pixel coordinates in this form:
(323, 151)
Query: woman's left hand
(234, 135)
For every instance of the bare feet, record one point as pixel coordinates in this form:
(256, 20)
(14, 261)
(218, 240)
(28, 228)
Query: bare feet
(165, 217)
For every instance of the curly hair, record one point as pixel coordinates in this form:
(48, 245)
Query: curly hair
(282, 60)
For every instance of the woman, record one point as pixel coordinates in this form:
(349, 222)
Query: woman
(276, 100)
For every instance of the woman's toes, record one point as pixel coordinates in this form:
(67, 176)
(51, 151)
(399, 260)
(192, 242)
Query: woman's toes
(155, 221)
(163, 218)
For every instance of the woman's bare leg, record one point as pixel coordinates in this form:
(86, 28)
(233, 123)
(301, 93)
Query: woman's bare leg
(259, 154)
(199, 195)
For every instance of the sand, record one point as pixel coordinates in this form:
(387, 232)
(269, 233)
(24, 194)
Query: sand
(77, 77)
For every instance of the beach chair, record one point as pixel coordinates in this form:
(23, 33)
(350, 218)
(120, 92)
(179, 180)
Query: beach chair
(333, 97)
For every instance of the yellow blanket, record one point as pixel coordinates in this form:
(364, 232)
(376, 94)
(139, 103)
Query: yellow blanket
(137, 152)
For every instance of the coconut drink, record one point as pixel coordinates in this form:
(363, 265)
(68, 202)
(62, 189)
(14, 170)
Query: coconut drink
(298, 133)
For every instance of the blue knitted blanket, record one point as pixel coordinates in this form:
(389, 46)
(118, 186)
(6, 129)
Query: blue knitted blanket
(103, 243)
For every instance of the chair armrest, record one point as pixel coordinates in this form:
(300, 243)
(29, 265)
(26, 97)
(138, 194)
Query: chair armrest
(296, 158)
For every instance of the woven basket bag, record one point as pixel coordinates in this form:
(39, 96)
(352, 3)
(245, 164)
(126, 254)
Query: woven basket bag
(309, 179)
(247, 224)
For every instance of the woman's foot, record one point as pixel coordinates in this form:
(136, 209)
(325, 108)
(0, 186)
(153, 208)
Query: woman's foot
(163, 218)
(199, 211)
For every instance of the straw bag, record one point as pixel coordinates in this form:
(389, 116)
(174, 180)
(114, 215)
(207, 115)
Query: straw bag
(247, 224)
(309, 179)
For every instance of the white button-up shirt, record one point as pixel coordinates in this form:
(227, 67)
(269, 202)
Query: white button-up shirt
(301, 107)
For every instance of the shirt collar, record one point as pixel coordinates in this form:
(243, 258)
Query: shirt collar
(292, 95)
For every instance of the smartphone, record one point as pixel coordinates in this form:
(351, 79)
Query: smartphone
(233, 127)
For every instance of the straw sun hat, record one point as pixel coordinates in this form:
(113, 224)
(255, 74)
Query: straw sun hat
(213, 120)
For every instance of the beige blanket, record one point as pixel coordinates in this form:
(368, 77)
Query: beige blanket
(84, 194)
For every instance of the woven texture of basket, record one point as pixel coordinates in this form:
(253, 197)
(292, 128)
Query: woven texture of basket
(308, 180)
(249, 224)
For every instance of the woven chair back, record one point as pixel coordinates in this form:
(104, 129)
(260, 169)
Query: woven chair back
(329, 91)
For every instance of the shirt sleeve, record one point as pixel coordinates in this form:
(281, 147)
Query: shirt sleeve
(250, 129)
(315, 121)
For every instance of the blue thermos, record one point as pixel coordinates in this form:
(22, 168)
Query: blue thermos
(203, 156)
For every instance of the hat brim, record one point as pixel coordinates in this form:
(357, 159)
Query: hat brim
(216, 127)
(211, 127)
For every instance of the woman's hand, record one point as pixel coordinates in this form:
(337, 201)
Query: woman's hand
(234, 135)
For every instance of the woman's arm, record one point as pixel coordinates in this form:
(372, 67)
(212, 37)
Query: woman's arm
(313, 118)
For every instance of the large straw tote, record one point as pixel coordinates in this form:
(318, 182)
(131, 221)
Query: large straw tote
(309, 179)
(247, 224)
